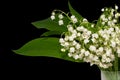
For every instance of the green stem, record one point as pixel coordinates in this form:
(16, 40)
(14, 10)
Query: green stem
(116, 65)
(116, 62)
(64, 14)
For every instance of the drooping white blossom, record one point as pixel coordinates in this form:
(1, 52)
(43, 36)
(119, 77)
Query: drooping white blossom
(96, 47)
(74, 19)
(63, 50)
(52, 17)
(92, 48)
(102, 9)
(60, 16)
(116, 7)
(60, 22)
(72, 49)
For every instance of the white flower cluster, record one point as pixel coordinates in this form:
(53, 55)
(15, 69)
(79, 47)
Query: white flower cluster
(97, 48)
(74, 19)
(60, 16)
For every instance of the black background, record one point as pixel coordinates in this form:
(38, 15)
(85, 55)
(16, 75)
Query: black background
(16, 30)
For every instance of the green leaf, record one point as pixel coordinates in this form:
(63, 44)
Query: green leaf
(52, 25)
(98, 24)
(48, 47)
(41, 47)
(118, 63)
(49, 25)
(50, 33)
(74, 12)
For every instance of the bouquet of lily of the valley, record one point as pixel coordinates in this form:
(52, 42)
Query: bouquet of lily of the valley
(79, 40)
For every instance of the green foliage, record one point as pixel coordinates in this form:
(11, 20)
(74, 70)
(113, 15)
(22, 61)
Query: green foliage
(50, 33)
(49, 25)
(48, 47)
(41, 47)
(74, 12)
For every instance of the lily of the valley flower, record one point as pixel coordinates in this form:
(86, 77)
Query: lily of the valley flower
(99, 47)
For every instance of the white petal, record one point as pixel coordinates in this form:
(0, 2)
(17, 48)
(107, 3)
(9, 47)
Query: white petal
(60, 16)
(72, 49)
(52, 17)
(60, 22)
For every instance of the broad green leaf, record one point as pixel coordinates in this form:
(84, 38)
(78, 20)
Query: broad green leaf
(52, 25)
(49, 25)
(48, 47)
(50, 33)
(74, 12)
